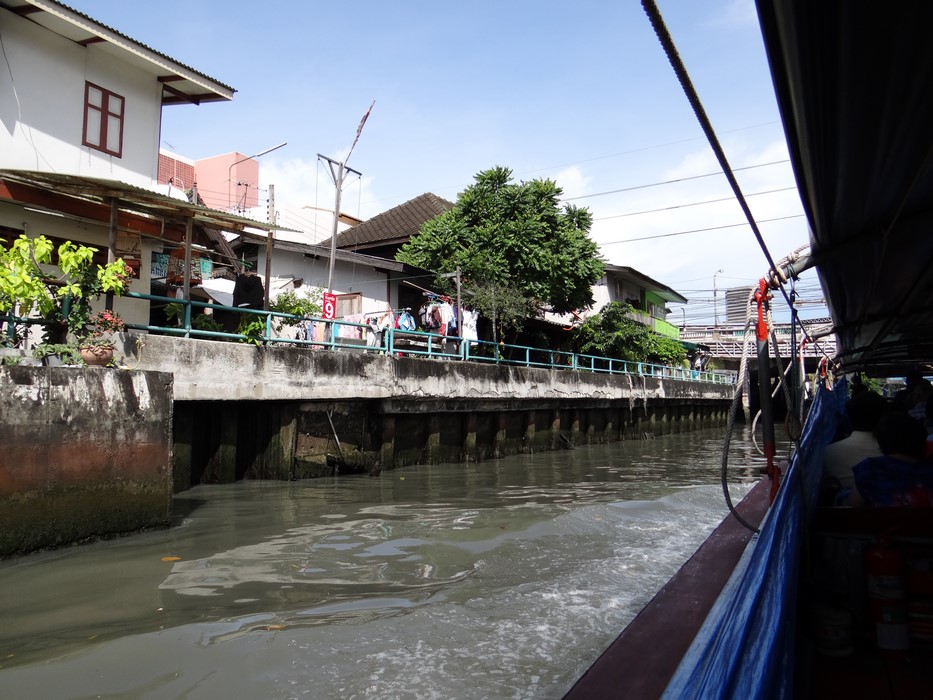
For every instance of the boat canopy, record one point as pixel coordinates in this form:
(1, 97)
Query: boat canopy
(853, 86)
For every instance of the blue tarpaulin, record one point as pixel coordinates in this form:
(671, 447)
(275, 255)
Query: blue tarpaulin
(746, 647)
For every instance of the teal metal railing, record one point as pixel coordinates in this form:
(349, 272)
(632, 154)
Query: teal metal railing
(340, 334)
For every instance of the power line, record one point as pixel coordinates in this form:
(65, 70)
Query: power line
(699, 230)
(646, 148)
(671, 182)
(692, 204)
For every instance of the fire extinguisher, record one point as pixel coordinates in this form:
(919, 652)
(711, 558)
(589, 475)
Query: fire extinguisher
(884, 569)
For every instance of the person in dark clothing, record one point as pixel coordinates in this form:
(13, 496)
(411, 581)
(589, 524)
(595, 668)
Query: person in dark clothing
(901, 476)
(248, 292)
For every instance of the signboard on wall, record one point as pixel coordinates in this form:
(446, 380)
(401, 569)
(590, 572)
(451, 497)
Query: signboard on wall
(330, 306)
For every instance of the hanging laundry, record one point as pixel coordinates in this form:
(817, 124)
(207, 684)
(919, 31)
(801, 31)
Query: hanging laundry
(405, 321)
(468, 324)
(445, 314)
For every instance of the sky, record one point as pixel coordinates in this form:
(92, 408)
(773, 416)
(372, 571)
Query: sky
(580, 93)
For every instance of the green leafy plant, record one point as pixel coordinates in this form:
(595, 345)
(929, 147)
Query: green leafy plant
(205, 322)
(518, 249)
(613, 333)
(175, 313)
(307, 305)
(68, 352)
(253, 327)
(28, 283)
(101, 329)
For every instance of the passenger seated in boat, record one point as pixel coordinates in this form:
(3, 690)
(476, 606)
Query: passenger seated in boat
(930, 427)
(864, 411)
(921, 394)
(901, 476)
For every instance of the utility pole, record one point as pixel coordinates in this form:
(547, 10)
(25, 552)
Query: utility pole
(715, 300)
(338, 171)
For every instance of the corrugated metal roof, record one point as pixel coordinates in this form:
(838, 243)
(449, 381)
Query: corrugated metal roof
(181, 83)
(662, 290)
(138, 199)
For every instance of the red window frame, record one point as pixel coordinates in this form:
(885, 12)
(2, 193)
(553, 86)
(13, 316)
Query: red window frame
(103, 114)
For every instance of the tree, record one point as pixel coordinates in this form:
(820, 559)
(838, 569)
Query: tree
(613, 333)
(518, 251)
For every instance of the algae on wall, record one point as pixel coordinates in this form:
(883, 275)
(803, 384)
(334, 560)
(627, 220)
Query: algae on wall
(84, 453)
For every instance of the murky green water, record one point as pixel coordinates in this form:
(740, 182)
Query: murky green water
(504, 579)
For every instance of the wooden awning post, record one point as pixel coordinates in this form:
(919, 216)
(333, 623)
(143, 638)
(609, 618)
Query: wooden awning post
(112, 245)
(189, 230)
(269, 242)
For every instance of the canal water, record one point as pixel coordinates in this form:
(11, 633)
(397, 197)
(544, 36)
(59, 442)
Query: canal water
(503, 579)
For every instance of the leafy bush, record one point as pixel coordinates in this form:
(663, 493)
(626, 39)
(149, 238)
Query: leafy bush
(64, 299)
(307, 305)
(612, 333)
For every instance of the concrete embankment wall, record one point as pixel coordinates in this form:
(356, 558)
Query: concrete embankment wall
(282, 412)
(84, 452)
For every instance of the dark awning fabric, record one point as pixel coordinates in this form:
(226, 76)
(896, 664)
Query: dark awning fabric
(853, 85)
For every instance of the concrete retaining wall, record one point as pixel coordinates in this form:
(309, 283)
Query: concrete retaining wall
(293, 412)
(206, 370)
(84, 452)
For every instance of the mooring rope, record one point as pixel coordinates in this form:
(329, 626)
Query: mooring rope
(733, 409)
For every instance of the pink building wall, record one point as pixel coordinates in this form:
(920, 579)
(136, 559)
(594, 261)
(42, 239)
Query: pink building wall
(224, 183)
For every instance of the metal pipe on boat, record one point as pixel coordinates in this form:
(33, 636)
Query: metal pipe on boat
(762, 297)
(792, 269)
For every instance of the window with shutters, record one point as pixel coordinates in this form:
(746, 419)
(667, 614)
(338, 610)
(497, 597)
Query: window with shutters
(349, 304)
(103, 120)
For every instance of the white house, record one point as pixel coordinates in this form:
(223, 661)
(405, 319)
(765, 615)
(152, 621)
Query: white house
(363, 284)
(80, 120)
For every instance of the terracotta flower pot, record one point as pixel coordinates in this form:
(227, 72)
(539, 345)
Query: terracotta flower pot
(97, 355)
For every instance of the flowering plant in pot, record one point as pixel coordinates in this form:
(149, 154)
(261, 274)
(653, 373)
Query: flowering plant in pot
(97, 344)
(57, 283)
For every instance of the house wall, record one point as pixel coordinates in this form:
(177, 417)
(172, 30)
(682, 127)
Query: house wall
(175, 169)
(37, 224)
(349, 278)
(218, 183)
(42, 106)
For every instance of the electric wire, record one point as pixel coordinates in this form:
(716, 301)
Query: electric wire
(690, 204)
(698, 230)
(654, 15)
(669, 182)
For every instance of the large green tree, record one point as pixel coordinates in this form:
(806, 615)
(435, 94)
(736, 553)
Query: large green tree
(518, 250)
(613, 333)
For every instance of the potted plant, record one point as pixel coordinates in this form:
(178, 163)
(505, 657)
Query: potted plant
(96, 344)
(57, 354)
(30, 283)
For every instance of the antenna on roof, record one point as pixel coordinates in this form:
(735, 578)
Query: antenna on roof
(337, 171)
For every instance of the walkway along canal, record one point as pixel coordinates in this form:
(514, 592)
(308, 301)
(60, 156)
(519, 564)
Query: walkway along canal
(244, 412)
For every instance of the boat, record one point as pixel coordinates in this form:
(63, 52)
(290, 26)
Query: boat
(757, 613)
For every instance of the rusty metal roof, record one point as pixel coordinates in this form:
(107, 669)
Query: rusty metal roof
(181, 84)
(137, 200)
